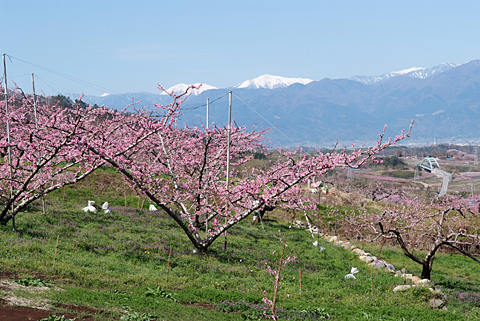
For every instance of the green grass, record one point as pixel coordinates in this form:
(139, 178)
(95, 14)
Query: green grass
(457, 276)
(110, 262)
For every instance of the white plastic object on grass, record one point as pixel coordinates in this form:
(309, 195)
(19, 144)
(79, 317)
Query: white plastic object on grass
(90, 207)
(152, 208)
(351, 274)
(315, 243)
(321, 248)
(106, 208)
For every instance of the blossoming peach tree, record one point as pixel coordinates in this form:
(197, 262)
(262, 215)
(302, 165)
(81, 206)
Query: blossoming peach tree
(428, 226)
(40, 151)
(48, 146)
(183, 170)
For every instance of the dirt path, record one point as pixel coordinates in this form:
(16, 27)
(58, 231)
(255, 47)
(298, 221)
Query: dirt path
(22, 310)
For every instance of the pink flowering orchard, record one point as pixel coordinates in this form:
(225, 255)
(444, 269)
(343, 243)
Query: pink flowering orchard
(427, 226)
(182, 170)
(55, 146)
(45, 150)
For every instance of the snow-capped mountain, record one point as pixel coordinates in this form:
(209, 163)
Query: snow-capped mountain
(328, 111)
(180, 89)
(272, 82)
(414, 72)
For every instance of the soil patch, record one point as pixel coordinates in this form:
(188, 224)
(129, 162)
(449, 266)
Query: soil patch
(17, 312)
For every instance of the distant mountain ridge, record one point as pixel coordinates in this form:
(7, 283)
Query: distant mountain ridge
(181, 88)
(271, 82)
(414, 72)
(444, 101)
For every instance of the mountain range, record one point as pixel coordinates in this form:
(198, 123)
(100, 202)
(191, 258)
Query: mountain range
(443, 100)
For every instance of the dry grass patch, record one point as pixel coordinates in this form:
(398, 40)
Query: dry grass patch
(25, 296)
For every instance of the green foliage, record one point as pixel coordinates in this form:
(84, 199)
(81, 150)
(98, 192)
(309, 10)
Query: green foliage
(27, 281)
(259, 155)
(62, 101)
(399, 174)
(473, 314)
(251, 311)
(392, 162)
(137, 317)
(159, 292)
(111, 261)
(53, 317)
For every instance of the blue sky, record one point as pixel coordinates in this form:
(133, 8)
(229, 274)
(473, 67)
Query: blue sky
(131, 46)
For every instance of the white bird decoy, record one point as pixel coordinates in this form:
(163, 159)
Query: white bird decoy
(90, 207)
(152, 208)
(106, 208)
(351, 274)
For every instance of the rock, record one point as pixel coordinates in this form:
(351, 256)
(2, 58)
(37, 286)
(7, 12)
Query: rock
(389, 267)
(366, 258)
(332, 239)
(363, 258)
(379, 264)
(424, 281)
(338, 243)
(436, 303)
(401, 288)
(347, 245)
(358, 252)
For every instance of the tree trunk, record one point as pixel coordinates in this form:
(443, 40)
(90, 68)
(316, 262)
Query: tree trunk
(427, 266)
(426, 271)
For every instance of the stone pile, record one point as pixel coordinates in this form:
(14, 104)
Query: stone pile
(380, 264)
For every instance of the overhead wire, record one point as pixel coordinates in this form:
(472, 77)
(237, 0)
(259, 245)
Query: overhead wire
(74, 79)
(266, 120)
(205, 105)
(249, 106)
(211, 104)
(103, 89)
(45, 82)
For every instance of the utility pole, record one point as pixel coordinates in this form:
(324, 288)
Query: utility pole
(416, 176)
(228, 157)
(208, 112)
(34, 100)
(9, 151)
(349, 174)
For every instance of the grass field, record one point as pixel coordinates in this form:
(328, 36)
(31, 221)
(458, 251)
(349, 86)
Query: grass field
(116, 264)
